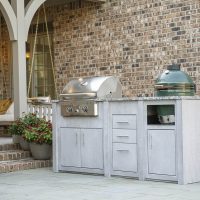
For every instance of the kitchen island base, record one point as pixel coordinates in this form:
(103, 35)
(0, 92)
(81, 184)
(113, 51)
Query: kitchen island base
(134, 138)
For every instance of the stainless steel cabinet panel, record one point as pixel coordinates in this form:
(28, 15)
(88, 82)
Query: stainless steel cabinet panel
(125, 157)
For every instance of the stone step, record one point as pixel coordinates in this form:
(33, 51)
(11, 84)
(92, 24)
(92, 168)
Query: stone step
(24, 164)
(13, 155)
(5, 147)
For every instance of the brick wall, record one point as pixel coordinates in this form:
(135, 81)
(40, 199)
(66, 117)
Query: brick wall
(5, 62)
(134, 40)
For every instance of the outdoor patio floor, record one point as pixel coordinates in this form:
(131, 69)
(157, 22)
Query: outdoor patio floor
(43, 184)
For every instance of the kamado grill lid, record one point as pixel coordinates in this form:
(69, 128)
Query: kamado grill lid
(92, 87)
(174, 82)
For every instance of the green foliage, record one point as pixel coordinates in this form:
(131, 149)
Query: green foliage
(40, 133)
(16, 128)
(32, 128)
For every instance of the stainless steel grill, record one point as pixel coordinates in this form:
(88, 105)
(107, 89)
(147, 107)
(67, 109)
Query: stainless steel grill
(79, 97)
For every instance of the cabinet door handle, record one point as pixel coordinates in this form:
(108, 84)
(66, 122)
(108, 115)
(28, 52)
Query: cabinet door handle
(122, 135)
(83, 139)
(150, 141)
(123, 122)
(76, 138)
(125, 150)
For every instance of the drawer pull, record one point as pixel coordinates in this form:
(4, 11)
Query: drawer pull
(125, 150)
(76, 138)
(123, 136)
(123, 122)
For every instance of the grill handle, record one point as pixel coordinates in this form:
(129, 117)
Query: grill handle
(78, 95)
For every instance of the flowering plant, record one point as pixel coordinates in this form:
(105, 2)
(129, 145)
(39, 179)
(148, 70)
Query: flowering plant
(16, 128)
(40, 133)
(19, 125)
(32, 128)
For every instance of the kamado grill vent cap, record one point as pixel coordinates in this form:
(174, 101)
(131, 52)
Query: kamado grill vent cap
(174, 67)
(174, 82)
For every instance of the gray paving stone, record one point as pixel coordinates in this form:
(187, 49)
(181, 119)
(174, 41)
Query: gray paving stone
(43, 184)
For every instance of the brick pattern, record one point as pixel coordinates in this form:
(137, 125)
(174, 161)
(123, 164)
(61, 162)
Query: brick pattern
(13, 159)
(7, 147)
(5, 62)
(14, 155)
(134, 40)
(23, 165)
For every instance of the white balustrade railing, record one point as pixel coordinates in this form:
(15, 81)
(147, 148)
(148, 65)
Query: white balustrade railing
(41, 110)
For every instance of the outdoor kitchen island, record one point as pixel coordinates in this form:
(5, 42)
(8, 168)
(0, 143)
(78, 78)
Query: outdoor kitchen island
(132, 137)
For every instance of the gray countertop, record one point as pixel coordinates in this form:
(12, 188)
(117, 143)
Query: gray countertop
(156, 98)
(145, 98)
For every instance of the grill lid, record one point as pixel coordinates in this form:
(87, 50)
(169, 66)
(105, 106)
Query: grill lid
(174, 82)
(92, 88)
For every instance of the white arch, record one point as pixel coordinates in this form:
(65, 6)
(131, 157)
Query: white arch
(30, 10)
(10, 18)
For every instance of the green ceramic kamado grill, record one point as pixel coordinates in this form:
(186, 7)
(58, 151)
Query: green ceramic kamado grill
(172, 82)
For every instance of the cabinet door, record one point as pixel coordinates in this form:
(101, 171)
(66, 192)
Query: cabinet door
(161, 152)
(70, 147)
(125, 157)
(92, 148)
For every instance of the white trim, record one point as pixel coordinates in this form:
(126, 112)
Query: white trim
(30, 11)
(10, 18)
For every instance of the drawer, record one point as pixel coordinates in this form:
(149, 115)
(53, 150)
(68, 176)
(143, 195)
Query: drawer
(125, 157)
(129, 108)
(124, 136)
(124, 121)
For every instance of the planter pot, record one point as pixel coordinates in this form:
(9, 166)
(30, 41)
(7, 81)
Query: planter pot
(41, 151)
(16, 139)
(24, 144)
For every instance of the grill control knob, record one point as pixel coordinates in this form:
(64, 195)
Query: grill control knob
(69, 109)
(85, 109)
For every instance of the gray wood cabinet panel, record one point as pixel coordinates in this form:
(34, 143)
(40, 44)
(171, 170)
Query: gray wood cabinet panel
(121, 142)
(124, 136)
(70, 154)
(162, 152)
(81, 148)
(124, 121)
(122, 107)
(92, 148)
(125, 157)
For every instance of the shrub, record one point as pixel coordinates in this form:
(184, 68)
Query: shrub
(16, 128)
(32, 128)
(39, 133)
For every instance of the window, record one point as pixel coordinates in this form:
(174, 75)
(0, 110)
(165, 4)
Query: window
(41, 74)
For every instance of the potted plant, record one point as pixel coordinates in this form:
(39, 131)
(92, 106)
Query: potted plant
(18, 127)
(39, 136)
(16, 130)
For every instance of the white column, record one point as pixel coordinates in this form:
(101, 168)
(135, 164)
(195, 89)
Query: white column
(19, 61)
(18, 19)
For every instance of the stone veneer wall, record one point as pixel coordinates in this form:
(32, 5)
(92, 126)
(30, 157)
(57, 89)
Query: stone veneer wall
(134, 40)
